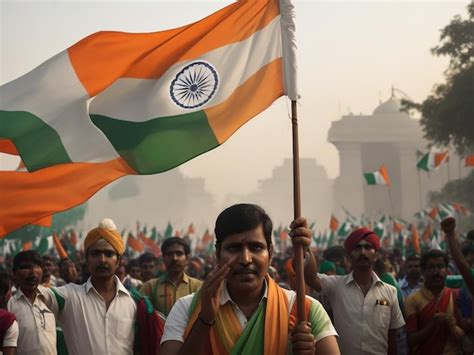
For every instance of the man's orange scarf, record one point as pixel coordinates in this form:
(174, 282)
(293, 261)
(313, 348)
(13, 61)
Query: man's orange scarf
(437, 341)
(272, 317)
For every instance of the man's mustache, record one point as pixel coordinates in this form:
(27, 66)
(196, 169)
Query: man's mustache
(245, 270)
(32, 279)
(103, 267)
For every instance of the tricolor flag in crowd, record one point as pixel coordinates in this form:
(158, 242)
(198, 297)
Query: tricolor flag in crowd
(379, 177)
(156, 100)
(432, 160)
(469, 160)
(333, 224)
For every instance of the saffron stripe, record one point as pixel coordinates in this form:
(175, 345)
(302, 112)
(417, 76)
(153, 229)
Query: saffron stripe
(247, 101)
(142, 99)
(105, 56)
(27, 197)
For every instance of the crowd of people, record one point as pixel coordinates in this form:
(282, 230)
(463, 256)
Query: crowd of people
(360, 298)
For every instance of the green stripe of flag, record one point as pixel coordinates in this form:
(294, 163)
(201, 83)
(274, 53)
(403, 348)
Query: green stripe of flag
(31, 135)
(423, 163)
(161, 143)
(370, 178)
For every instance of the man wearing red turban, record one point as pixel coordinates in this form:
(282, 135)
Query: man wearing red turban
(366, 310)
(361, 234)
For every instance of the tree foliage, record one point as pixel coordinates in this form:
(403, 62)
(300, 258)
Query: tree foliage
(461, 191)
(448, 113)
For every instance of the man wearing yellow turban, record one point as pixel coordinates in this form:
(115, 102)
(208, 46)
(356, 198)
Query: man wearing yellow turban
(109, 233)
(98, 316)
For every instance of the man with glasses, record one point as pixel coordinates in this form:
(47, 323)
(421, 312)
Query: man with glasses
(37, 324)
(366, 311)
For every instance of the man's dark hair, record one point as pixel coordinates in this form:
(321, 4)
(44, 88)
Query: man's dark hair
(242, 218)
(147, 257)
(175, 240)
(433, 254)
(5, 283)
(31, 256)
(467, 247)
(413, 257)
(470, 235)
(379, 266)
(334, 253)
(131, 264)
(48, 258)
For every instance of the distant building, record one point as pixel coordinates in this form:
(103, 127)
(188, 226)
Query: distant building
(275, 194)
(154, 200)
(388, 137)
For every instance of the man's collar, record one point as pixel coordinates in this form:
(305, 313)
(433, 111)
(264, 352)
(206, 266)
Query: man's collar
(118, 285)
(350, 278)
(425, 291)
(19, 293)
(225, 296)
(404, 283)
(163, 278)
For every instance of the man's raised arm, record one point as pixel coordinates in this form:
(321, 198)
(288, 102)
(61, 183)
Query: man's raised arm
(449, 227)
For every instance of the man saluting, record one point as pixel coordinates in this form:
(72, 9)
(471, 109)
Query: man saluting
(240, 309)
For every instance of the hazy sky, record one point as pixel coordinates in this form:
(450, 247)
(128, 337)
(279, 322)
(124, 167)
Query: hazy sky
(350, 54)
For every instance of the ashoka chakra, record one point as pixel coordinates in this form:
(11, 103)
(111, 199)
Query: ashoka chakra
(195, 85)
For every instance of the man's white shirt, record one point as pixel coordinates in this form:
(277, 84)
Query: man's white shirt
(89, 327)
(362, 322)
(36, 323)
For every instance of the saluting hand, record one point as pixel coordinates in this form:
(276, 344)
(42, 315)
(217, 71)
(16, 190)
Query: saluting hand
(211, 291)
(302, 340)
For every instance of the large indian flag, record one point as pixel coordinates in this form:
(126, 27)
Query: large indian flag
(119, 103)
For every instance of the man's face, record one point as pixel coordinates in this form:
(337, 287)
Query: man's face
(470, 259)
(413, 269)
(435, 273)
(121, 272)
(175, 259)
(363, 256)
(28, 276)
(147, 270)
(68, 271)
(135, 272)
(102, 259)
(252, 259)
(48, 268)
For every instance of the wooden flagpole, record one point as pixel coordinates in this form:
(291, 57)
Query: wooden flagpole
(390, 199)
(298, 249)
(419, 189)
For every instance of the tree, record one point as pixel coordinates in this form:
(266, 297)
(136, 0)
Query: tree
(461, 191)
(448, 113)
